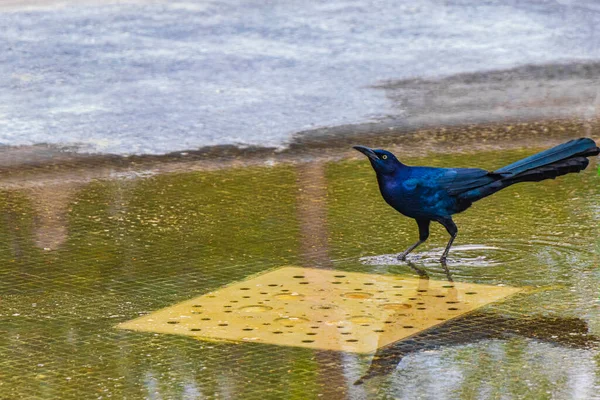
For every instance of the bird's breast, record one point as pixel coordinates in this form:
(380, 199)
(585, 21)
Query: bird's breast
(398, 194)
(414, 200)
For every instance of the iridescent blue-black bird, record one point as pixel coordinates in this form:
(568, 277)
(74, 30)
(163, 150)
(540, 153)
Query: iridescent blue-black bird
(435, 194)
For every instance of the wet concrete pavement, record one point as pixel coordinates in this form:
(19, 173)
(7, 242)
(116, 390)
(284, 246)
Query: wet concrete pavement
(154, 77)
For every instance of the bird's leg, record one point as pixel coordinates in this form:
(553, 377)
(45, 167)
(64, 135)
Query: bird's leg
(423, 235)
(445, 255)
(453, 231)
(402, 256)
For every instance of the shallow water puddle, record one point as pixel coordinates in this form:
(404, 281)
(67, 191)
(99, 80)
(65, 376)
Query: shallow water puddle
(321, 309)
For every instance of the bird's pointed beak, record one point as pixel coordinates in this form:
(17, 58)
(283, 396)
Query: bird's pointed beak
(367, 152)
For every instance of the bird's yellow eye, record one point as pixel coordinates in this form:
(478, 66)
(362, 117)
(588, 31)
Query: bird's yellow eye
(384, 157)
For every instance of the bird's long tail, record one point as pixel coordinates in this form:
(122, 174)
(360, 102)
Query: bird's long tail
(560, 160)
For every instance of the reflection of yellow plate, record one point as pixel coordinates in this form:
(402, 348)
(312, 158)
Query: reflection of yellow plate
(321, 309)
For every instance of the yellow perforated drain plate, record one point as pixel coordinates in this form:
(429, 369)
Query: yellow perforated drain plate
(321, 309)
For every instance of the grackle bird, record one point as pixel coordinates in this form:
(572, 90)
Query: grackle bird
(435, 194)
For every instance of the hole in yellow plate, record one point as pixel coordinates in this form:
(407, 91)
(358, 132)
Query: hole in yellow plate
(255, 308)
(289, 296)
(324, 307)
(396, 306)
(357, 295)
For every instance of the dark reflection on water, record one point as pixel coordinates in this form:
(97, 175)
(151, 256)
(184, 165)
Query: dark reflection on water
(479, 326)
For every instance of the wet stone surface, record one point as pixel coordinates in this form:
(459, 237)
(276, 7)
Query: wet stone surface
(87, 256)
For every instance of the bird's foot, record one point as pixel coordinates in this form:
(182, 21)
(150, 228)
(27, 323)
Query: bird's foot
(443, 259)
(401, 256)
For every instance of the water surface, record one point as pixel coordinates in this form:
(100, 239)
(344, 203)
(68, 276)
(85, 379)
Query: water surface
(79, 258)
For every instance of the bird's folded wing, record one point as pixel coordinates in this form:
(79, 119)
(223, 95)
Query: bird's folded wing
(459, 180)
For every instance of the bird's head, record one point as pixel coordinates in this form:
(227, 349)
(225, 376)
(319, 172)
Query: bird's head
(382, 161)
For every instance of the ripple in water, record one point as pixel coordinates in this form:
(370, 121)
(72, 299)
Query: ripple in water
(498, 252)
(466, 255)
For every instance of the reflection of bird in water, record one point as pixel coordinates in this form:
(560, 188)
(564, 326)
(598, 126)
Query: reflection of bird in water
(424, 275)
(478, 326)
(435, 194)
